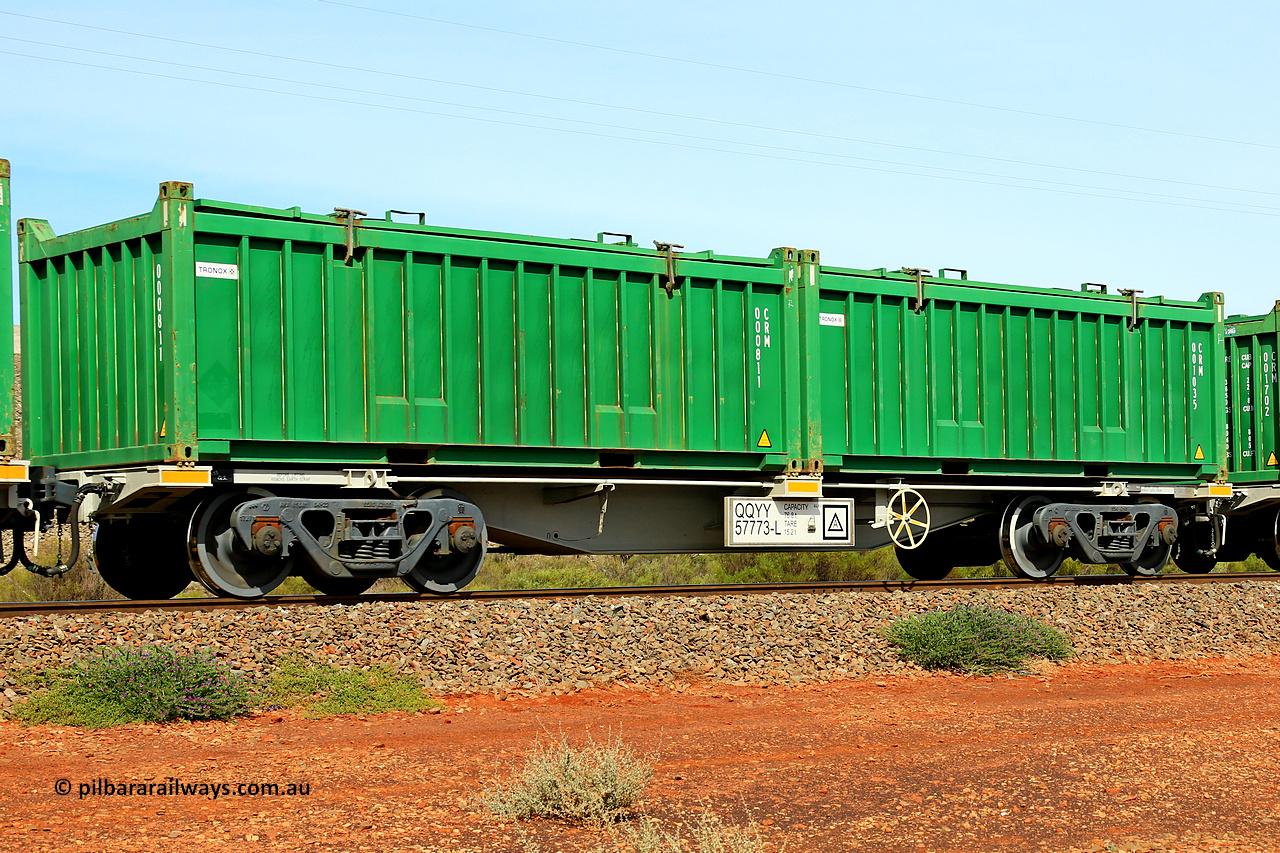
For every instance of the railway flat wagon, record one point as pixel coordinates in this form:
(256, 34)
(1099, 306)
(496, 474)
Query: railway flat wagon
(349, 379)
(241, 393)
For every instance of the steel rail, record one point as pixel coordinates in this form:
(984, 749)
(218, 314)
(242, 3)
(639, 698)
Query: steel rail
(32, 608)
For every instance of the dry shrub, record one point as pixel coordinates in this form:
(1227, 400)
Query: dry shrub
(709, 835)
(595, 784)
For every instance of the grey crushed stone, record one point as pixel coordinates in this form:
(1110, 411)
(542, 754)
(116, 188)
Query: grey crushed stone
(537, 646)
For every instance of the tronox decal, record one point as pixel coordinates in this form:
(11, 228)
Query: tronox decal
(208, 270)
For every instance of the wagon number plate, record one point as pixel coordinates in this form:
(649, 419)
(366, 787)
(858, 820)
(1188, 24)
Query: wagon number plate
(787, 522)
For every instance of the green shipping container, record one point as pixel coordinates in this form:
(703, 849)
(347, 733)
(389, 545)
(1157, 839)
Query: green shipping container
(206, 331)
(925, 375)
(1253, 391)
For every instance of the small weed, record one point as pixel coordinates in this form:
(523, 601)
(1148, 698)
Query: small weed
(646, 835)
(155, 684)
(977, 639)
(323, 691)
(710, 835)
(503, 571)
(595, 784)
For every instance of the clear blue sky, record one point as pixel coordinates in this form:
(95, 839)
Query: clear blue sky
(1136, 144)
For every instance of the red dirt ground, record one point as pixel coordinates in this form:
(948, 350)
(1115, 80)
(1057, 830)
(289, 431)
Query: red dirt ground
(1164, 756)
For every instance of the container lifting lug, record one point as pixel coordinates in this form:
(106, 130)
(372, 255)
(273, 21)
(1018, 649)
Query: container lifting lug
(626, 238)
(1133, 302)
(918, 275)
(668, 250)
(350, 215)
(422, 216)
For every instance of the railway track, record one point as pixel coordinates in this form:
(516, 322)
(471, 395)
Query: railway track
(27, 608)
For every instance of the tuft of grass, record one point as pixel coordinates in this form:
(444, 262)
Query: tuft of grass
(503, 571)
(513, 571)
(709, 835)
(322, 691)
(976, 639)
(516, 571)
(292, 586)
(596, 784)
(154, 684)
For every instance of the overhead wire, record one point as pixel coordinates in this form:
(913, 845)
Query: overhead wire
(795, 77)
(629, 129)
(620, 107)
(1208, 205)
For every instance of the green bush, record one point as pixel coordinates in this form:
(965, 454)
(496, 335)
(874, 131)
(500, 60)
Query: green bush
(154, 684)
(596, 784)
(975, 638)
(322, 691)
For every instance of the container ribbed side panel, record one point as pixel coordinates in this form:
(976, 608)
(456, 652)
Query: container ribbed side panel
(438, 343)
(1010, 376)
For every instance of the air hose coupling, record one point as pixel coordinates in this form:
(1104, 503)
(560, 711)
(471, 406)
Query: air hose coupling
(73, 516)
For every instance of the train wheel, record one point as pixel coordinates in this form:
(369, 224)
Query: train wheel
(930, 561)
(1186, 552)
(1269, 540)
(1026, 555)
(328, 585)
(1150, 561)
(142, 559)
(217, 558)
(443, 574)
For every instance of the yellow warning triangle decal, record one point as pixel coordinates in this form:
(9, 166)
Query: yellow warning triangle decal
(764, 439)
(1199, 452)
(1271, 460)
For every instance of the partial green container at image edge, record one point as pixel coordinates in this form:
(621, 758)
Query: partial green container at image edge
(7, 408)
(1253, 392)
